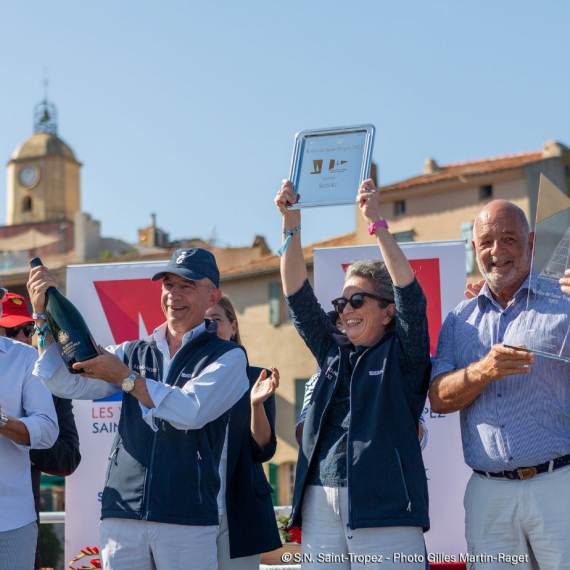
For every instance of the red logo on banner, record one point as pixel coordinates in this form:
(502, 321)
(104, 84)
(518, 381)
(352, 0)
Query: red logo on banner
(126, 302)
(427, 274)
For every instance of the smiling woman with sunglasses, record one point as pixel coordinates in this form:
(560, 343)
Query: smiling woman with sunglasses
(360, 486)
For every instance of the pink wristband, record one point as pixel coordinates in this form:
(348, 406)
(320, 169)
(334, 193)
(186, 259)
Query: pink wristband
(379, 224)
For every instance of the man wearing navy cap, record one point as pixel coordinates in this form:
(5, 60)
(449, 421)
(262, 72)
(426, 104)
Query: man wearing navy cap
(159, 507)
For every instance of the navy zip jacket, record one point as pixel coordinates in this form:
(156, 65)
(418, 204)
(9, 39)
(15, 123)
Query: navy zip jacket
(170, 475)
(385, 473)
(251, 518)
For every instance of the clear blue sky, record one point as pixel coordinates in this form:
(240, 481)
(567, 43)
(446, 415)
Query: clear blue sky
(188, 109)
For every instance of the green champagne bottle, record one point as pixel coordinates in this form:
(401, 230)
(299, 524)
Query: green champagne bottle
(71, 334)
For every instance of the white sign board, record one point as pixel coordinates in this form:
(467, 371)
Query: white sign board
(440, 269)
(119, 302)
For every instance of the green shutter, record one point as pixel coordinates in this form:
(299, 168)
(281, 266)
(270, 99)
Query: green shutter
(274, 482)
(275, 303)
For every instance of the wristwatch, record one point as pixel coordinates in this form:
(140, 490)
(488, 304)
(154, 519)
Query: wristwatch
(129, 383)
(3, 420)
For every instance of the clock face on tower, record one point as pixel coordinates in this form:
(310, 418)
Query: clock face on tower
(28, 176)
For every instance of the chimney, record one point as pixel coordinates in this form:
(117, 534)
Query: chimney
(430, 166)
(552, 148)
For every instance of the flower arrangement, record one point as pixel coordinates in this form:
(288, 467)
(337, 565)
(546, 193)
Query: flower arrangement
(292, 534)
(88, 551)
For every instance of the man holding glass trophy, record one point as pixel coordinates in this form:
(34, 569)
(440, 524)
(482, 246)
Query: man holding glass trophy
(503, 361)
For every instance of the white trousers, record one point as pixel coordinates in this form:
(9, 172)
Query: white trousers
(527, 519)
(128, 544)
(224, 560)
(327, 541)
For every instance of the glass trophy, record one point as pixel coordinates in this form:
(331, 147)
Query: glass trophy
(328, 165)
(546, 304)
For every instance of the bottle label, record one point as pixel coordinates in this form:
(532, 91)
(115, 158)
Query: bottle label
(68, 345)
(68, 350)
(62, 336)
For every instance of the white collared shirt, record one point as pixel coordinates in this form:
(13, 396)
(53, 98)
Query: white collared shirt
(201, 400)
(23, 397)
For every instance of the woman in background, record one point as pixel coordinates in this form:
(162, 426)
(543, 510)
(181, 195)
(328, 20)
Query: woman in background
(247, 520)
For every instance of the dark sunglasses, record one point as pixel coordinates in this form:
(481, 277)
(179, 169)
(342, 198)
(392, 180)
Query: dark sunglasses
(356, 301)
(3, 292)
(13, 332)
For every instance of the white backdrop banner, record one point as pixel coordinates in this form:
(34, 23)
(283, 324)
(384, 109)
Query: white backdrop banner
(440, 269)
(119, 302)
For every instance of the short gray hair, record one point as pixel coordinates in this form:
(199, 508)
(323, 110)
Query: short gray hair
(377, 273)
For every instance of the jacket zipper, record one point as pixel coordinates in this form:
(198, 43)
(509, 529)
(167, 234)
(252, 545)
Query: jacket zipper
(348, 448)
(150, 471)
(114, 454)
(199, 476)
(409, 509)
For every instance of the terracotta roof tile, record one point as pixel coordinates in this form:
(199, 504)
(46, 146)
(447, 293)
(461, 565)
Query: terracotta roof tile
(269, 263)
(468, 169)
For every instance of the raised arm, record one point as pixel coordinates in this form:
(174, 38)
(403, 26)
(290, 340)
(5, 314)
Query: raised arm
(39, 282)
(261, 390)
(293, 269)
(395, 260)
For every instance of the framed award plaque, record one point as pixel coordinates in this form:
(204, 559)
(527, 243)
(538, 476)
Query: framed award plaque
(328, 165)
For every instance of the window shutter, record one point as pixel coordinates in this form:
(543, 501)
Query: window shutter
(467, 235)
(275, 303)
(274, 482)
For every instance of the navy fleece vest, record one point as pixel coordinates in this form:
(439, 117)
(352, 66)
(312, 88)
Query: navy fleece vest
(170, 475)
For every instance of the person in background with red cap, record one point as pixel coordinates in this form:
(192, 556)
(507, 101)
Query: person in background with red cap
(63, 458)
(16, 321)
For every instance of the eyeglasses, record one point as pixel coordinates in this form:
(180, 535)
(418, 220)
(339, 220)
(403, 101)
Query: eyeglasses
(3, 292)
(356, 301)
(27, 329)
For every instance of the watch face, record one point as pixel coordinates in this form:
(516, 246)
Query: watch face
(28, 176)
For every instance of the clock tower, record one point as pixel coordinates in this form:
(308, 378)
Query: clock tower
(43, 174)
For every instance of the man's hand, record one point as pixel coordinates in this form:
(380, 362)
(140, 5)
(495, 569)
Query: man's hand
(473, 289)
(264, 387)
(453, 391)
(39, 282)
(107, 367)
(501, 362)
(565, 282)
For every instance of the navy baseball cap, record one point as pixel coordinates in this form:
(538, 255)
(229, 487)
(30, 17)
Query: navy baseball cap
(192, 263)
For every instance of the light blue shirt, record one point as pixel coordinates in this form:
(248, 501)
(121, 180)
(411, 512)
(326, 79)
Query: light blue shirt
(201, 400)
(524, 419)
(23, 397)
